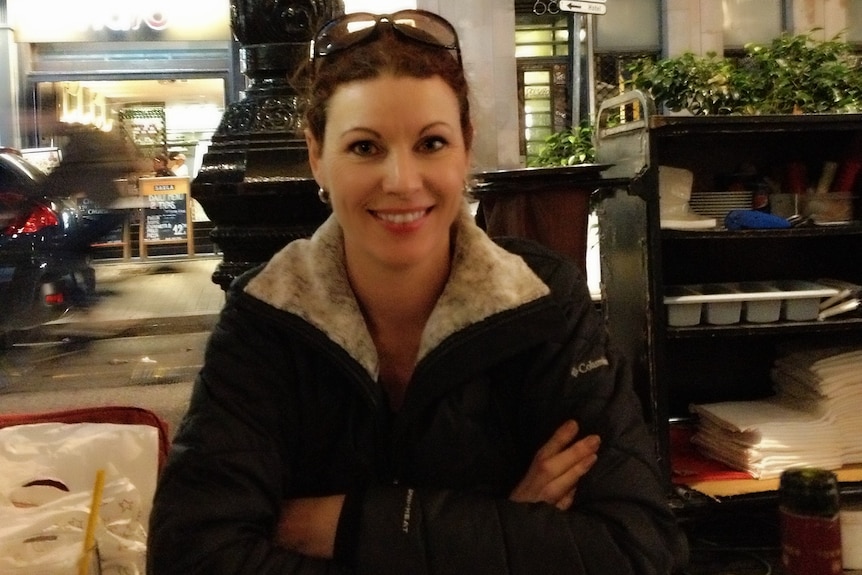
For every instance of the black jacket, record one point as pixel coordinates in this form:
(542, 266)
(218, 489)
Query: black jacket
(287, 405)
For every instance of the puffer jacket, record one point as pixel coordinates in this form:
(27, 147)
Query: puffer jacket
(287, 405)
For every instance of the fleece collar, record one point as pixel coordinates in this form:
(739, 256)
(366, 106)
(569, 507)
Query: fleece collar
(308, 278)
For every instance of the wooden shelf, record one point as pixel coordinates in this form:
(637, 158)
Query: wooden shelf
(731, 487)
(712, 478)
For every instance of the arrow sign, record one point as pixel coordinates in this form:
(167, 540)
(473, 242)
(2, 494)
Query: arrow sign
(595, 7)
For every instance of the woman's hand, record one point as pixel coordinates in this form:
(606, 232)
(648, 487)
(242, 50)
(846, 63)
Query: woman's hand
(557, 467)
(307, 525)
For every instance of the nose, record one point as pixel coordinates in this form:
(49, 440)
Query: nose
(403, 172)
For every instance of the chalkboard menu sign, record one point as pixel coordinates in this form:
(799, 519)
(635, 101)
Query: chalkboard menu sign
(165, 216)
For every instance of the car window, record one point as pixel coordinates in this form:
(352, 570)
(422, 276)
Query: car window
(17, 174)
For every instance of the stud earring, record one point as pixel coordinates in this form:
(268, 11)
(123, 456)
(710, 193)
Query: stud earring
(468, 189)
(323, 195)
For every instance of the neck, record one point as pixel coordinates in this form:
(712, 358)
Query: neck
(396, 305)
(401, 297)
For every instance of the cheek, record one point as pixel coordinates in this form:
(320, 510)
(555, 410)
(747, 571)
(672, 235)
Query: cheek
(350, 186)
(456, 179)
(330, 175)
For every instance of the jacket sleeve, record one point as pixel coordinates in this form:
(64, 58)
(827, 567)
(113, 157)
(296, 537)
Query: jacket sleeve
(216, 505)
(217, 501)
(620, 522)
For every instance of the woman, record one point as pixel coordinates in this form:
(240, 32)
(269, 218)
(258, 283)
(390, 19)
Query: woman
(398, 393)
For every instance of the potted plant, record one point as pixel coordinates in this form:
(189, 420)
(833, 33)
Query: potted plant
(796, 74)
(567, 147)
(549, 201)
(793, 74)
(700, 85)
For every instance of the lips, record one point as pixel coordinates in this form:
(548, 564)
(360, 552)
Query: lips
(401, 218)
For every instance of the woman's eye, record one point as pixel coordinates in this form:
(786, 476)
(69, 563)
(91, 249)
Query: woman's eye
(363, 148)
(433, 143)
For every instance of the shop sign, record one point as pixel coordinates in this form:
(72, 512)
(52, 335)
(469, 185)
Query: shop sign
(119, 20)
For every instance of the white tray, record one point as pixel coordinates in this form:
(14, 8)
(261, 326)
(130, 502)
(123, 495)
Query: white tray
(748, 291)
(754, 302)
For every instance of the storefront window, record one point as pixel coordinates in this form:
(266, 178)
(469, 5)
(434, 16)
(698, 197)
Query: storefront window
(541, 51)
(158, 115)
(536, 38)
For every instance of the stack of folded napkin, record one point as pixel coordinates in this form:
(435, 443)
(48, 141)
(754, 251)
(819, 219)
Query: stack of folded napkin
(832, 379)
(815, 418)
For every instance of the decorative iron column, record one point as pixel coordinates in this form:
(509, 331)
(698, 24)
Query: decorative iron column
(255, 184)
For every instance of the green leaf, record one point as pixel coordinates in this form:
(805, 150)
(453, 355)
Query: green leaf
(792, 71)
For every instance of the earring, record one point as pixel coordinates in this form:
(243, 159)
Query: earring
(323, 195)
(468, 189)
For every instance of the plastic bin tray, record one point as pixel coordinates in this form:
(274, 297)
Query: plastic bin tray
(754, 302)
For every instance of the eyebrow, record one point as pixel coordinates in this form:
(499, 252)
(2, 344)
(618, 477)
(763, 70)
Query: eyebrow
(348, 132)
(376, 134)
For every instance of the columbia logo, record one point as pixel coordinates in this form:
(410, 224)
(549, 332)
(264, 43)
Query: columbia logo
(588, 366)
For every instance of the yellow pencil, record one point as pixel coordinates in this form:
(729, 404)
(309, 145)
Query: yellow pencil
(90, 533)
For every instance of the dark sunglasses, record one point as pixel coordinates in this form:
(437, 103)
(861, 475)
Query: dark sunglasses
(358, 27)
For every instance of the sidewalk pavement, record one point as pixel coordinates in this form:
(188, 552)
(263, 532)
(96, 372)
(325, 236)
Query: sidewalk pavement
(155, 288)
(172, 298)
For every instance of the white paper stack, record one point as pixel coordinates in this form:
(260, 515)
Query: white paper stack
(765, 437)
(815, 418)
(832, 379)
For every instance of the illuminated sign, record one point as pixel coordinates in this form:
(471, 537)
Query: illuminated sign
(125, 20)
(119, 20)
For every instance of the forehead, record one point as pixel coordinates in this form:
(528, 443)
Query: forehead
(387, 97)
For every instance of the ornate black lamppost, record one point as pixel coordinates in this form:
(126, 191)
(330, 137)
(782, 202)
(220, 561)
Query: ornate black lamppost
(254, 183)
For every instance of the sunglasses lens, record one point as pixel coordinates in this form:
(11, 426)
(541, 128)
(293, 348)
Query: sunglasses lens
(344, 32)
(426, 28)
(352, 29)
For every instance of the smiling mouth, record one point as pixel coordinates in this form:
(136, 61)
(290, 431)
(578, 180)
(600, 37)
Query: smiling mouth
(401, 217)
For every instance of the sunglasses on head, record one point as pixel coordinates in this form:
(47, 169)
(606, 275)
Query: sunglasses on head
(356, 28)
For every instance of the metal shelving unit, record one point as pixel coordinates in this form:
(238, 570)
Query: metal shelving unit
(677, 366)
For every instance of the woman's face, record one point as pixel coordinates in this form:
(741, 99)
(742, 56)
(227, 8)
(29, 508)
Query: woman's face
(394, 163)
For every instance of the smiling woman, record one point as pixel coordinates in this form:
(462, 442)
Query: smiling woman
(399, 393)
(395, 186)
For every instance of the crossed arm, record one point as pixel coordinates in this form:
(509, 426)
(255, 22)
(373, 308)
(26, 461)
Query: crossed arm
(308, 525)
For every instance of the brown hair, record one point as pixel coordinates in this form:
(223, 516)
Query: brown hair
(386, 53)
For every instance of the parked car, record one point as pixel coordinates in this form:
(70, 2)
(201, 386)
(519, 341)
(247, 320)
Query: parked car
(44, 247)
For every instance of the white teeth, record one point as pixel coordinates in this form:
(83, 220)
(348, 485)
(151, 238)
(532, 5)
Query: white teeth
(405, 218)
